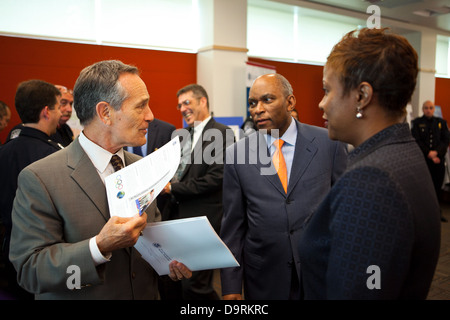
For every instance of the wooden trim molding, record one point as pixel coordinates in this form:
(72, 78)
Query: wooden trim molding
(433, 71)
(223, 48)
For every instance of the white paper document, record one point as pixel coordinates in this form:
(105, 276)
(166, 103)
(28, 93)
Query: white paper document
(191, 241)
(132, 189)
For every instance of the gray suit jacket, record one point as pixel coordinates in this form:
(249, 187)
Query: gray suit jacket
(261, 223)
(60, 204)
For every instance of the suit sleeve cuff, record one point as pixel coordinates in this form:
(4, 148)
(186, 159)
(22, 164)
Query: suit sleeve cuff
(97, 256)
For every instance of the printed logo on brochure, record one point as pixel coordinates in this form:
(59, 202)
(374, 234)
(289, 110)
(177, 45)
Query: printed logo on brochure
(119, 186)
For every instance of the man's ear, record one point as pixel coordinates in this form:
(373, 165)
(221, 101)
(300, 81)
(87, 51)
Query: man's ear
(203, 101)
(291, 102)
(103, 111)
(45, 113)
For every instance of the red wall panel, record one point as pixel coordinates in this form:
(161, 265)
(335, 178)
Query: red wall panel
(442, 96)
(164, 73)
(306, 80)
(61, 62)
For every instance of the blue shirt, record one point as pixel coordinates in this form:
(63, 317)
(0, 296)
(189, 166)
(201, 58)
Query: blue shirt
(288, 148)
(143, 147)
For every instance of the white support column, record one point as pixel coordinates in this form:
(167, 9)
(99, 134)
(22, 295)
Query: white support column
(425, 44)
(221, 60)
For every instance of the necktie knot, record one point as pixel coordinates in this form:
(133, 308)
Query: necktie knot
(116, 162)
(278, 144)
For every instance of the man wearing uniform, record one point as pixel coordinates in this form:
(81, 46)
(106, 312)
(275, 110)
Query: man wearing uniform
(37, 103)
(432, 136)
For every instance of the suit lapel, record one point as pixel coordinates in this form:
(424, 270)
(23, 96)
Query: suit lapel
(197, 151)
(303, 155)
(86, 176)
(258, 146)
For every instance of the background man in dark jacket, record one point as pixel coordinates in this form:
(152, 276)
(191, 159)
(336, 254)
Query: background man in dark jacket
(37, 103)
(432, 136)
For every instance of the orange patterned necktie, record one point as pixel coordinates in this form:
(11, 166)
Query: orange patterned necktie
(116, 162)
(280, 164)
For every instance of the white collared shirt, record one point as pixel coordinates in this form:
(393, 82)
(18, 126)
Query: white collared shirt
(198, 131)
(101, 160)
(100, 157)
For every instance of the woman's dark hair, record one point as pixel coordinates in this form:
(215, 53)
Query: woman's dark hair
(385, 60)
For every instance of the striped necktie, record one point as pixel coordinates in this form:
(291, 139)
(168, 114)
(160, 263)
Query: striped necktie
(116, 162)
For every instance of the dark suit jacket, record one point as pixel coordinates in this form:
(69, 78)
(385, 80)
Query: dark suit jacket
(261, 223)
(199, 192)
(431, 134)
(60, 204)
(63, 135)
(159, 133)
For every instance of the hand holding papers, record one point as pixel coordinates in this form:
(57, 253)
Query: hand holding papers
(191, 241)
(131, 190)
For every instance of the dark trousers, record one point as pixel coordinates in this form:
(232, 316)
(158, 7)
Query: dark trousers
(437, 172)
(199, 286)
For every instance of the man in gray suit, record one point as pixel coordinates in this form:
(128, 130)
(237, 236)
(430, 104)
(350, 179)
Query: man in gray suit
(64, 244)
(262, 219)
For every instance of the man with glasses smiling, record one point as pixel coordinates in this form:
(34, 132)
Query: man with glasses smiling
(197, 187)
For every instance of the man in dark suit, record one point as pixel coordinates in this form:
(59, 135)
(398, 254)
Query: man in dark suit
(37, 103)
(64, 244)
(263, 218)
(197, 186)
(432, 136)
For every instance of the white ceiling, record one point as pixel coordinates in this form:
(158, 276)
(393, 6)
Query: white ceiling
(433, 14)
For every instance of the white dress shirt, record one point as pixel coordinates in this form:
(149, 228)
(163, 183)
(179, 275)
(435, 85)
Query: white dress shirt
(101, 160)
(198, 131)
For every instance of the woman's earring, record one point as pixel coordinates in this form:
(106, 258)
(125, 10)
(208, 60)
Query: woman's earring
(359, 114)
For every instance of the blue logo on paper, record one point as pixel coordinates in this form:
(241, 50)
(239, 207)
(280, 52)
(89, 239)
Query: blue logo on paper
(121, 194)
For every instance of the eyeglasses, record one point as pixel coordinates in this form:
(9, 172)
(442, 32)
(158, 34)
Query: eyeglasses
(185, 103)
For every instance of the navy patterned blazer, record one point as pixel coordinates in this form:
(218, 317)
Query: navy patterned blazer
(380, 223)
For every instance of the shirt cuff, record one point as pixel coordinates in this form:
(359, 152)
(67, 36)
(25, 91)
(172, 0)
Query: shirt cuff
(97, 256)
